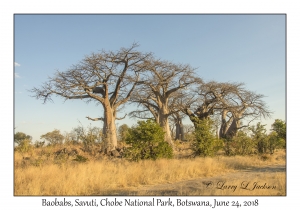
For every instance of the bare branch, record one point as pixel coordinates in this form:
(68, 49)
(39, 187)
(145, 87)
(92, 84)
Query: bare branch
(121, 118)
(95, 119)
(108, 78)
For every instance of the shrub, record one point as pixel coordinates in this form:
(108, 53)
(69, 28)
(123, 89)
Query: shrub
(242, 144)
(146, 141)
(53, 137)
(24, 146)
(20, 136)
(122, 132)
(260, 137)
(275, 142)
(228, 146)
(279, 127)
(205, 142)
(90, 137)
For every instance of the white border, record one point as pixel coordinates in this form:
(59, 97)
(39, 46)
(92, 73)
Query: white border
(8, 8)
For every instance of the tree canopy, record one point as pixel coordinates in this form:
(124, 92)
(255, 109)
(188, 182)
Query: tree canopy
(161, 89)
(232, 102)
(53, 137)
(20, 136)
(279, 126)
(163, 86)
(108, 78)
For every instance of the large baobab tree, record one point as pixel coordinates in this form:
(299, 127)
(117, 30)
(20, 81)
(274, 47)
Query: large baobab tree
(161, 85)
(245, 105)
(209, 97)
(232, 102)
(108, 78)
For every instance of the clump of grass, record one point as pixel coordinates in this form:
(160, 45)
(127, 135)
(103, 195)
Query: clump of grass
(80, 158)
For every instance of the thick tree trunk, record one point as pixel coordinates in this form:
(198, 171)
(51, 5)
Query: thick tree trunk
(224, 125)
(192, 117)
(109, 130)
(166, 128)
(232, 130)
(179, 134)
(164, 123)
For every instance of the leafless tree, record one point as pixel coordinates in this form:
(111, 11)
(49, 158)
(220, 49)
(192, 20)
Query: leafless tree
(232, 102)
(246, 105)
(108, 78)
(160, 89)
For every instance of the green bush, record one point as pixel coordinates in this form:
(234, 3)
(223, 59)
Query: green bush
(146, 141)
(20, 136)
(279, 127)
(54, 137)
(275, 142)
(205, 142)
(260, 137)
(241, 144)
(24, 146)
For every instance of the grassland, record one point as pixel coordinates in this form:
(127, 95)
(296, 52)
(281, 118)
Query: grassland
(40, 172)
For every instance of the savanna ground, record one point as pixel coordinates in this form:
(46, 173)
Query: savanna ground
(73, 171)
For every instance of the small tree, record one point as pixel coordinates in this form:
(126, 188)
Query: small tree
(205, 142)
(25, 146)
(279, 127)
(275, 142)
(260, 137)
(147, 142)
(242, 144)
(20, 136)
(123, 131)
(53, 137)
(90, 136)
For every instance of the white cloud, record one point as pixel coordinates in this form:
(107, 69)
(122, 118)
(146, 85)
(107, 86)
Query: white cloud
(17, 64)
(17, 75)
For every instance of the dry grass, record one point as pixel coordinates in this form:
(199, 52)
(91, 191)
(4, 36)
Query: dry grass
(42, 174)
(96, 176)
(245, 162)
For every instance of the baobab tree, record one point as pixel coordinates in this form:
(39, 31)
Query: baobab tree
(108, 78)
(232, 102)
(207, 102)
(160, 87)
(245, 105)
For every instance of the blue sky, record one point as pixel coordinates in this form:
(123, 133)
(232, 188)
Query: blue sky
(234, 48)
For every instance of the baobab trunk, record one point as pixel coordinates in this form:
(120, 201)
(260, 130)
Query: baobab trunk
(109, 130)
(164, 123)
(166, 127)
(224, 125)
(179, 134)
(232, 130)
